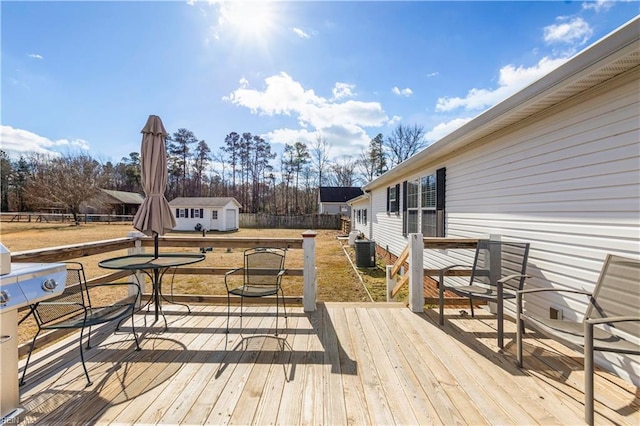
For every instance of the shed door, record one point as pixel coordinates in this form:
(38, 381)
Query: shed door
(231, 219)
(215, 222)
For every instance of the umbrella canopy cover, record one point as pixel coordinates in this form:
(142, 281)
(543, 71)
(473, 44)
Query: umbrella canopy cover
(154, 215)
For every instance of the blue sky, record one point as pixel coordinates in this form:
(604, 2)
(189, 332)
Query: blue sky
(85, 75)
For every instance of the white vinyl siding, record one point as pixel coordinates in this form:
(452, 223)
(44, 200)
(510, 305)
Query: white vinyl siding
(566, 180)
(360, 224)
(211, 218)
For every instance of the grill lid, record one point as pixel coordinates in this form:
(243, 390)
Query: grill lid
(29, 283)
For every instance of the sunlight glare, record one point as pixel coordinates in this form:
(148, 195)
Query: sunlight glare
(250, 19)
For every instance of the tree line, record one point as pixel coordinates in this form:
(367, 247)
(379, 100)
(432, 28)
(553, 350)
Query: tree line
(244, 167)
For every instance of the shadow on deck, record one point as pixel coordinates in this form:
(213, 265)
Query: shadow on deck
(344, 363)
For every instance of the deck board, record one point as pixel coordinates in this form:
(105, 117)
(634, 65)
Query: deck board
(343, 364)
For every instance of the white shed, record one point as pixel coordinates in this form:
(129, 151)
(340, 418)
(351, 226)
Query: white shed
(556, 164)
(210, 213)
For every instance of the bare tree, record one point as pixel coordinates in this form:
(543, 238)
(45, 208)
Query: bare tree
(404, 142)
(320, 157)
(343, 172)
(65, 181)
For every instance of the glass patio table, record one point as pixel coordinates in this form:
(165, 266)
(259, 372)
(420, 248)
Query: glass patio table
(155, 268)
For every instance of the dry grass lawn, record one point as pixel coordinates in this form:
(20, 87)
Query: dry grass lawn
(337, 280)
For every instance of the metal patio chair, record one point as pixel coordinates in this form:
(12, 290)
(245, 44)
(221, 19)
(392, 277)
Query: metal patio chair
(611, 322)
(73, 309)
(261, 277)
(512, 259)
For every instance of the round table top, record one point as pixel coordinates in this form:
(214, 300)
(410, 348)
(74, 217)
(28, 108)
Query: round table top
(149, 261)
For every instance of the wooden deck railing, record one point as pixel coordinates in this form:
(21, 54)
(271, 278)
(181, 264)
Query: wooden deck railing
(413, 254)
(136, 242)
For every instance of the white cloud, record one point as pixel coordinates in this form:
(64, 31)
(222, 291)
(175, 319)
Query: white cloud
(443, 129)
(402, 92)
(300, 33)
(35, 56)
(598, 5)
(16, 142)
(344, 140)
(511, 80)
(285, 96)
(433, 74)
(343, 90)
(394, 120)
(568, 31)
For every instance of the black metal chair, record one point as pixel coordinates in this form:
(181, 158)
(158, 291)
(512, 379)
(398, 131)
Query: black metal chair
(73, 309)
(513, 258)
(261, 277)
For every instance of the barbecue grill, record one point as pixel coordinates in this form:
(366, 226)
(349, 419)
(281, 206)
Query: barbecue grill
(21, 284)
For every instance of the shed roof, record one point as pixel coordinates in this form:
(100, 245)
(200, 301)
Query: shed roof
(124, 197)
(339, 194)
(203, 202)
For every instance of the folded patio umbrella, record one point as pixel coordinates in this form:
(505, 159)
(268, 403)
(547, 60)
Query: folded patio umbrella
(154, 216)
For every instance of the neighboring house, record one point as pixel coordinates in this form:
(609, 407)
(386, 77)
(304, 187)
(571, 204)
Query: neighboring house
(333, 199)
(557, 165)
(114, 202)
(210, 213)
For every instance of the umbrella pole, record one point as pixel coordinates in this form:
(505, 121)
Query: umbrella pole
(155, 245)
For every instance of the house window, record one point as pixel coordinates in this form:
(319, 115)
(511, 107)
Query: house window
(413, 193)
(359, 214)
(428, 204)
(214, 215)
(364, 216)
(393, 198)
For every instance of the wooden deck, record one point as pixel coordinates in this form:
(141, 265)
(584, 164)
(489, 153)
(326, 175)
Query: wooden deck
(344, 364)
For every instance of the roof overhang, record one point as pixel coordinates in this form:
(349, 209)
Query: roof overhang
(363, 197)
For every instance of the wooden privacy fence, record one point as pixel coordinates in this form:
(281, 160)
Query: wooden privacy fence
(291, 221)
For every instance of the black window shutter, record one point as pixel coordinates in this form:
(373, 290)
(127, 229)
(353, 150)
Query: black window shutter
(201, 213)
(397, 206)
(388, 190)
(191, 213)
(177, 212)
(441, 178)
(404, 196)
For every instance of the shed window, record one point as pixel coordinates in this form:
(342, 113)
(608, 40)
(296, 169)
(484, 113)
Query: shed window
(214, 215)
